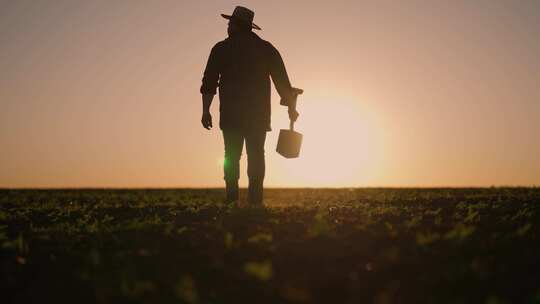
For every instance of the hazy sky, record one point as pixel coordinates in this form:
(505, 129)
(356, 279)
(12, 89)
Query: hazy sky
(397, 93)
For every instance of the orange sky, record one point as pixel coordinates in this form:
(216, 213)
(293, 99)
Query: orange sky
(397, 93)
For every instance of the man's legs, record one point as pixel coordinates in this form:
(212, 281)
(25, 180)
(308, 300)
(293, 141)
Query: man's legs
(256, 167)
(234, 142)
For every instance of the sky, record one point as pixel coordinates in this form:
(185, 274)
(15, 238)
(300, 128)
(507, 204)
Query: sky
(397, 93)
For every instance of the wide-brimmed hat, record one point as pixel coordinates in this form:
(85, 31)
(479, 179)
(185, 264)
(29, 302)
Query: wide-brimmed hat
(243, 15)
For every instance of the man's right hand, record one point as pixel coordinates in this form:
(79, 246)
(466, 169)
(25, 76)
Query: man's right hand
(293, 114)
(206, 120)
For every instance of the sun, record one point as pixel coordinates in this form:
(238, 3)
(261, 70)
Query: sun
(340, 147)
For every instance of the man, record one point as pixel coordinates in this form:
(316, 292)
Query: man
(241, 66)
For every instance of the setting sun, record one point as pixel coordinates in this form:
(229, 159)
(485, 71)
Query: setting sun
(341, 144)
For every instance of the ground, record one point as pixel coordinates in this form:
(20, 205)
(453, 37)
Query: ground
(306, 246)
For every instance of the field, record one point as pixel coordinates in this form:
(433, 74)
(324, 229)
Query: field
(306, 246)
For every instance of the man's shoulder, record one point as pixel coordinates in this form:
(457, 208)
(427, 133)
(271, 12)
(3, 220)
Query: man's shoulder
(263, 42)
(221, 44)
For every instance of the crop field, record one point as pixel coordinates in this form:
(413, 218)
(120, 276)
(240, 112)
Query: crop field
(479, 245)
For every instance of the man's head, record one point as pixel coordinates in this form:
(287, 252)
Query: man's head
(240, 21)
(235, 28)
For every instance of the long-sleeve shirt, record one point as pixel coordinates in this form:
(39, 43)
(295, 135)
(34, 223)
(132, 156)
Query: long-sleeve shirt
(241, 66)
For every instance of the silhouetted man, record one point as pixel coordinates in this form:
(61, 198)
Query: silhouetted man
(241, 66)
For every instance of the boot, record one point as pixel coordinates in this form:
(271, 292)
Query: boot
(255, 193)
(231, 188)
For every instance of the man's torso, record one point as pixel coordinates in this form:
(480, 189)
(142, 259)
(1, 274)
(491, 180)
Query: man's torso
(244, 84)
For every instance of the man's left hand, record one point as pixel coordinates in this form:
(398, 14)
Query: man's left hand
(206, 120)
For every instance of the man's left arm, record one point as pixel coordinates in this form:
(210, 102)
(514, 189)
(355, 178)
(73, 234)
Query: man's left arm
(209, 86)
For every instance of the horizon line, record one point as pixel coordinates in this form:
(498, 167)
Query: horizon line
(269, 188)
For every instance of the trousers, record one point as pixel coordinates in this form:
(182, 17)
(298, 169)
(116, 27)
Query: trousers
(234, 144)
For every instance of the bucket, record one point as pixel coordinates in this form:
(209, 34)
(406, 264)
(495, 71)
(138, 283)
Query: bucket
(289, 142)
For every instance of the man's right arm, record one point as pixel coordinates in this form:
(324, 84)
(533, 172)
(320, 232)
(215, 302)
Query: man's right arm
(279, 75)
(282, 83)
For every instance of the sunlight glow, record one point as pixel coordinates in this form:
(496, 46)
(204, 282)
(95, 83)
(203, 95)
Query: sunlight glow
(341, 143)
